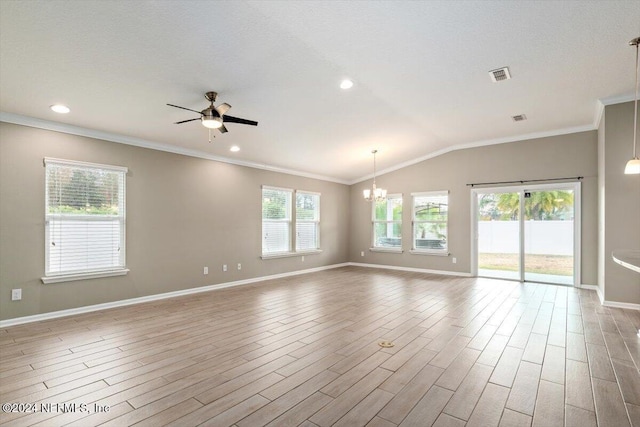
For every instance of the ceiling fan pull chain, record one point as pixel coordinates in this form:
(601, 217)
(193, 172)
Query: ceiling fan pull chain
(209, 136)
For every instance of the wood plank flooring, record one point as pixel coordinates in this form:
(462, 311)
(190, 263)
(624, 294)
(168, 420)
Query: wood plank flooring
(303, 351)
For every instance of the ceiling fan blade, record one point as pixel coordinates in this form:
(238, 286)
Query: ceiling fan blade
(188, 109)
(231, 119)
(223, 129)
(223, 108)
(185, 121)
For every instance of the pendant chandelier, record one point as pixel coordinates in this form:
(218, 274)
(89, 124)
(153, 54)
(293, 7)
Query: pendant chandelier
(375, 193)
(633, 165)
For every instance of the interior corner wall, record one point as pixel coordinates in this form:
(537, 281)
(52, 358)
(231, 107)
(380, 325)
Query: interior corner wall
(601, 205)
(560, 156)
(621, 201)
(183, 213)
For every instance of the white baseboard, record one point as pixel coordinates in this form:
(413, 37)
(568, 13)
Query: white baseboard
(139, 300)
(615, 304)
(415, 270)
(132, 301)
(627, 305)
(595, 288)
(600, 295)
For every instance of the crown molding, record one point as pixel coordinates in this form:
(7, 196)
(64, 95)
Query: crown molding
(123, 139)
(143, 143)
(619, 99)
(598, 114)
(476, 144)
(611, 100)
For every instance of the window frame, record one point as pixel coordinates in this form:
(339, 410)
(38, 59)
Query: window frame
(288, 220)
(414, 222)
(374, 221)
(292, 227)
(66, 276)
(315, 221)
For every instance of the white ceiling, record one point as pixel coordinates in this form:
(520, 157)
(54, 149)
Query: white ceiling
(420, 73)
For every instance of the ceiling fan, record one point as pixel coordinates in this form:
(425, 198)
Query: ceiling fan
(214, 117)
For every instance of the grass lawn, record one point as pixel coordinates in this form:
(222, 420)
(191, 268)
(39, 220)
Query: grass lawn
(544, 264)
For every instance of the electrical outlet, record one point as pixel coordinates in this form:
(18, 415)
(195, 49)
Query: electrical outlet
(361, 253)
(454, 260)
(206, 270)
(224, 267)
(16, 294)
(239, 266)
(302, 258)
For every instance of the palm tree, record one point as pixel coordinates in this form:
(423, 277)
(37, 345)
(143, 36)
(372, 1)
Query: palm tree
(541, 205)
(548, 205)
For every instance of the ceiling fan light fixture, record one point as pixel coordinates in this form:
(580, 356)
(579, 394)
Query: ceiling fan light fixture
(212, 116)
(212, 122)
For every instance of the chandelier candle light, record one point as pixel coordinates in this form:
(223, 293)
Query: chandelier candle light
(633, 165)
(375, 193)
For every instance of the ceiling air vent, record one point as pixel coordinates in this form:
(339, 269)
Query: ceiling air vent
(519, 118)
(500, 74)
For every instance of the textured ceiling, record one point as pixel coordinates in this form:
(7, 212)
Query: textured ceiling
(420, 73)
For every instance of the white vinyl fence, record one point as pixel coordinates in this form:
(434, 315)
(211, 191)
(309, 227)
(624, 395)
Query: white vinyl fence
(541, 237)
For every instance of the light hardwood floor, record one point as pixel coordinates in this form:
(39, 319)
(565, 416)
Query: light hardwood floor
(304, 351)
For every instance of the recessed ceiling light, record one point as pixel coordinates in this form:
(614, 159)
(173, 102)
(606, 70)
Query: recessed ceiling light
(346, 84)
(234, 148)
(59, 108)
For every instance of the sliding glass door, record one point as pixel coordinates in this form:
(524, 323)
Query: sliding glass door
(498, 235)
(548, 236)
(527, 233)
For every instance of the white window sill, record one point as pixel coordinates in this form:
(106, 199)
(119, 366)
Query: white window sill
(290, 254)
(387, 250)
(432, 253)
(83, 276)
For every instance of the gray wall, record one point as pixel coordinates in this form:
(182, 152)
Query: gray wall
(183, 213)
(621, 204)
(552, 157)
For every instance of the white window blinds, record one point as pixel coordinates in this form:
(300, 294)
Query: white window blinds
(85, 217)
(307, 221)
(285, 231)
(276, 220)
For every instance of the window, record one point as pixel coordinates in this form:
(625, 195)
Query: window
(430, 215)
(387, 223)
(279, 219)
(85, 220)
(276, 220)
(307, 221)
